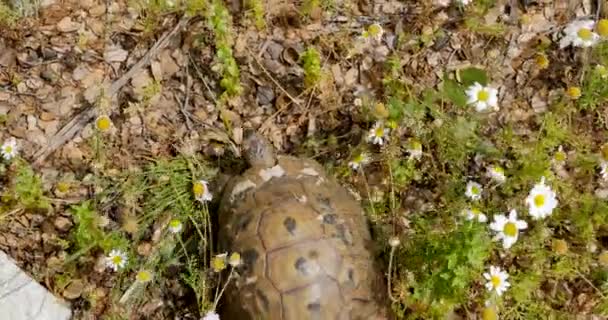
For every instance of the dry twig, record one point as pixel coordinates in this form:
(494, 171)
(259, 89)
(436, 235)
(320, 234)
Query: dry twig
(70, 129)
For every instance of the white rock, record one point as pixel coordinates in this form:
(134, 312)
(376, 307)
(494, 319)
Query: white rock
(115, 53)
(21, 297)
(67, 25)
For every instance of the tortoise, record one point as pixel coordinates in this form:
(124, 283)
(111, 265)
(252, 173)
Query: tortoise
(305, 244)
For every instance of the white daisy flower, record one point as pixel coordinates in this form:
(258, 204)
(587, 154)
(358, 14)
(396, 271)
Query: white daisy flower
(359, 161)
(497, 173)
(507, 228)
(378, 134)
(463, 2)
(579, 33)
(497, 280)
(474, 190)
(211, 315)
(175, 226)
(541, 201)
(474, 214)
(117, 259)
(414, 149)
(201, 191)
(482, 97)
(9, 149)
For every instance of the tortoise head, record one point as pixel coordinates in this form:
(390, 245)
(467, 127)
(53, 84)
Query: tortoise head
(258, 151)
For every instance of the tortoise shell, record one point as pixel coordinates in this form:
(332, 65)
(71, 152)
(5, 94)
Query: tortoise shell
(304, 243)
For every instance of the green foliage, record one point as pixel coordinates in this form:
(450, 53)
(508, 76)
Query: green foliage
(8, 17)
(87, 233)
(454, 93)
(166, 185)
(444, 263)
(455, 140)
(256, 13)
(308, 6)
(26, 188)
(311, 62)
(594, 90)
(471, 75)
(220, 22)
(151, 12)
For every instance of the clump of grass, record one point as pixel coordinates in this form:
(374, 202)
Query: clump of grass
(160, 193)
(311, 62)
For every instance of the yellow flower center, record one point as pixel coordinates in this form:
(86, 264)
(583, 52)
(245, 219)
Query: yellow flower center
(117, 260)
(483, 95)
(218, 264)
(475, 190)
(495, 281)
(8, 149)
(510, 229)
(103, 123)
(602, 27)
(416, 145)
(542, 61)
(560, 156)
(539, 200)
(374, 30)
(475, 211)
(574, 92)
(144, 276)
(499, 171)
(585, 34)
(63, 186)
(235, 259)
(380, 132)
(198, 189)
(175, 223)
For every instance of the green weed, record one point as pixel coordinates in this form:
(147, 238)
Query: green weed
(8, 17)
(256, 13)
(311, 62)
(220, 22)
(25, 189)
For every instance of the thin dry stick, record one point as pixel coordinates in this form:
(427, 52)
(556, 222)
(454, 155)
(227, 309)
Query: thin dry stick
(71, 128)
(200, 76)
(390, 272)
